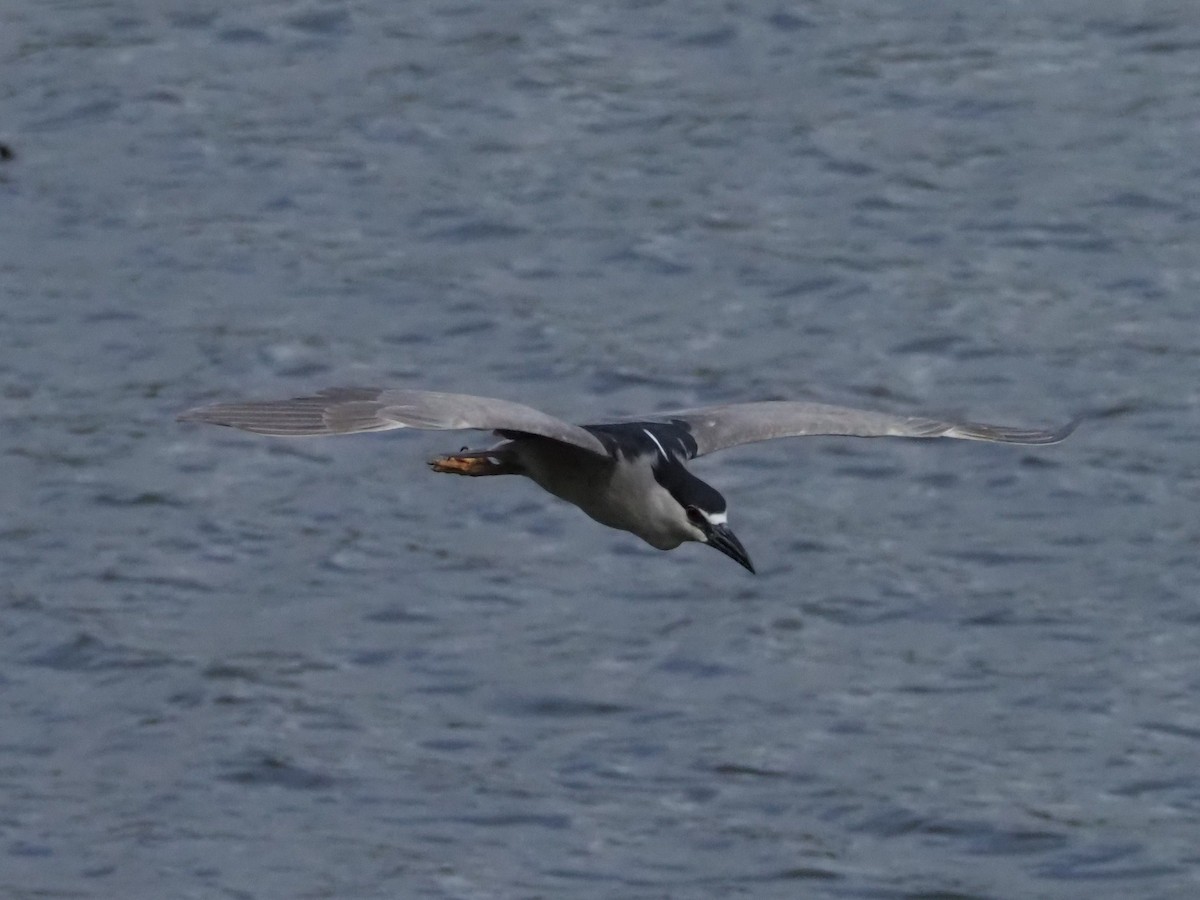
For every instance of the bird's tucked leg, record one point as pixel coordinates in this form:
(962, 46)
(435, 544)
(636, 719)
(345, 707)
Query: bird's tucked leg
(475, 463)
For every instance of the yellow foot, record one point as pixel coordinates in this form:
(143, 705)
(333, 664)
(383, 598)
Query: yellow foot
(466, 465)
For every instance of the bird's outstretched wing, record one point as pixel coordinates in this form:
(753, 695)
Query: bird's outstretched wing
(717, 427)
(353, 409)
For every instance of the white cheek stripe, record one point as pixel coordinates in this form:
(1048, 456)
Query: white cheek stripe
(648, 434)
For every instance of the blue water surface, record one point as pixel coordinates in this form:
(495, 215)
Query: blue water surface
(232, 666)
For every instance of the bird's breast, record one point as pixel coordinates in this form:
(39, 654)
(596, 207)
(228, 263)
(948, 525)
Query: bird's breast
(620, 494)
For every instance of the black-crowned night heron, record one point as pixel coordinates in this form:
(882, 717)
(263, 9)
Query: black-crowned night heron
(630, 474)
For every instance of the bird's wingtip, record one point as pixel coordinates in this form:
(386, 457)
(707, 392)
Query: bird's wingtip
(1061, 434)
(204, 415)
(195, 414)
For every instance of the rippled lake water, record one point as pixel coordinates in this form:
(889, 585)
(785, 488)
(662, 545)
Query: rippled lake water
(240, 667)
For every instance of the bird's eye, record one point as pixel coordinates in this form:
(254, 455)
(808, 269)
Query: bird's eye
(695, 516)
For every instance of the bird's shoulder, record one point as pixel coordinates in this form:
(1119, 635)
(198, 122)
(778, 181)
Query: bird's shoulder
(670, 440)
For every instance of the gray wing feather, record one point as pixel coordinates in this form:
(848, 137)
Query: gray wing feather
(717, 427)
(352, 410)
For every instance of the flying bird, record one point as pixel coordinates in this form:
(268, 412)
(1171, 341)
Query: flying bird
(630, 474)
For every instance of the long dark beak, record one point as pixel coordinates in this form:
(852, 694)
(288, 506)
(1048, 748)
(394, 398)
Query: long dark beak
(726, 541)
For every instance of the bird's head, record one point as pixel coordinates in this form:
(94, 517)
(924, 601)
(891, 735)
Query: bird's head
(712, 530)
(705, 515)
